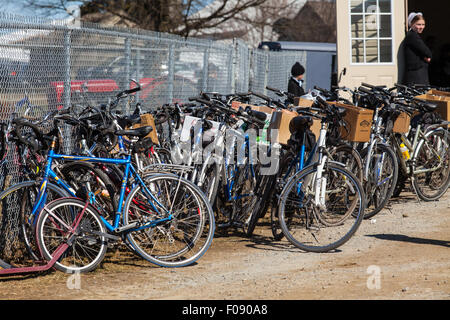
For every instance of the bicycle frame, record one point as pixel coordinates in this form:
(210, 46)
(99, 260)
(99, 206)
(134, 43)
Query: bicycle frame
(231, 178)
(316, 157)
(412, 147)
(129, 171)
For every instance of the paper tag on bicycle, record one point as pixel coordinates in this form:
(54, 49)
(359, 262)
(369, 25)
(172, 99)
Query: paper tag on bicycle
(190, 122)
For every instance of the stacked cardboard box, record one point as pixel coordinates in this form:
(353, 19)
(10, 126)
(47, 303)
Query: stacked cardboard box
(358, 123)
(401, 124)
(442, 99)
(148, 120)
(267, 110)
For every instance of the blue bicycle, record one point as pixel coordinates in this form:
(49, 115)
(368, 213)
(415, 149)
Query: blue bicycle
(167, 220)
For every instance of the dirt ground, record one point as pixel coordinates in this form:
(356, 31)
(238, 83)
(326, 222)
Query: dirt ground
(403, 253)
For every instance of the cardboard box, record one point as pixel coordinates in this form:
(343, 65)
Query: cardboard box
(439, 93)
(148, 120)
(278, 130)
(281, 121)
(236, 104)
(267, 110)
(358, 123)
(301, 102)
(315, 128)
(401, 124)
(442, 102)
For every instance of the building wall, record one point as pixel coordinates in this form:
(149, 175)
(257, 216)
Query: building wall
(377, 74)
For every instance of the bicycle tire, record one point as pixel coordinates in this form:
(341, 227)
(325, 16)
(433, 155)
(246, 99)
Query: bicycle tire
(280, 180)
(402, 177)
(377, 198)
(180, 241)
(432, 152)
(211, 177)
(245, 195)
(350, 158)
(293, 209)
(260, 203)
(88, 246)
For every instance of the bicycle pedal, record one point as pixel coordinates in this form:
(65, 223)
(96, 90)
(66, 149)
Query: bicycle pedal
(314, 228)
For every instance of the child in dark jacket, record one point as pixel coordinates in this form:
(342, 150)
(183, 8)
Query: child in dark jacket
(295, 85)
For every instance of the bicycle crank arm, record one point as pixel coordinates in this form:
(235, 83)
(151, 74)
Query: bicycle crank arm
(102, 234)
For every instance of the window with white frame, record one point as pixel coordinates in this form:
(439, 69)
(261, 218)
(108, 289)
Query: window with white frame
(371, 31)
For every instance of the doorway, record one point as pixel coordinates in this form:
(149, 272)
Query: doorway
(437, 37)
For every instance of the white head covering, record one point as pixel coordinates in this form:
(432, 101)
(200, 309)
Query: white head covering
(412, 15)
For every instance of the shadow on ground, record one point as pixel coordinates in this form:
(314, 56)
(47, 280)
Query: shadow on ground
(403, 238)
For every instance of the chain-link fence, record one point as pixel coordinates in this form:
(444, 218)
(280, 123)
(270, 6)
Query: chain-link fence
(46, 64)
(57, 64)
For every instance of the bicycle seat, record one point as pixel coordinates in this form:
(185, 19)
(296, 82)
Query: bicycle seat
(128, 121)
(428, 106)
(300, 123)
(138, 132)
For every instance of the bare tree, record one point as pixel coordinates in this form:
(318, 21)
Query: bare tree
(315, 22)
(180, 17)
(261, 19)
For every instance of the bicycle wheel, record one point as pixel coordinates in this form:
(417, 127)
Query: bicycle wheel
(17, 227)
(326, 226)
(245, 197)
(87, 243)
(402, 179)
(186, 226)
(288, 168)
(431, 166)
(350, 158)
(211, 182)
(257, 204)
(382, 178)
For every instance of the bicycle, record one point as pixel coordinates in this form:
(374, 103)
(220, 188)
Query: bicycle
(423, 151)
(294, 157)
(379, 160)
(232, 181)
(143, 211)
(322, 205)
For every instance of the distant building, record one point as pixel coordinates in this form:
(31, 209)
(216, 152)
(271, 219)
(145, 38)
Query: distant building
(252, 25)
(315, 22)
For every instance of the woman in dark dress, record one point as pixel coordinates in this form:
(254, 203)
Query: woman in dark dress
(417, 54)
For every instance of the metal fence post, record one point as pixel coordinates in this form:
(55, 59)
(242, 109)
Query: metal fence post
(138, 71)
(266, 73)
(205, 70)
(67, 85)
(171, 73)
(251, 66)
(126, 80)
(67, 62)
(232, 67)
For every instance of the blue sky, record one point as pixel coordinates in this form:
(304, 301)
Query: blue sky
(18, 7)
